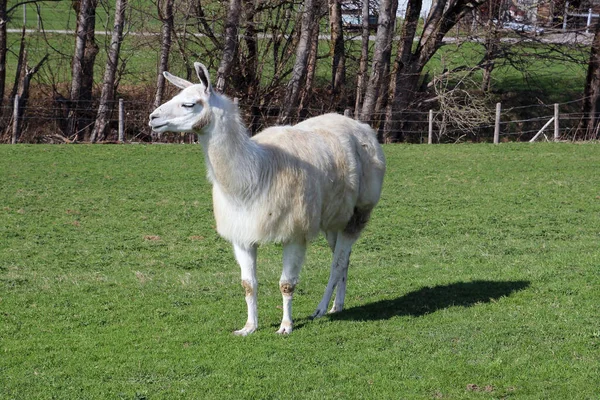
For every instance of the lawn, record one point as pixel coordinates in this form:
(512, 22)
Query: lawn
(477, 278)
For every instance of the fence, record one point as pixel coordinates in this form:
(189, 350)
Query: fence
(588, 16)
(45, 123)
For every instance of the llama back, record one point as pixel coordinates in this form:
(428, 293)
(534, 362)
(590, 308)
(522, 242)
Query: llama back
(362, 140)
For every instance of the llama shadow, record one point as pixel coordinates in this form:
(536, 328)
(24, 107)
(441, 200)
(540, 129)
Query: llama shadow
(431, 299)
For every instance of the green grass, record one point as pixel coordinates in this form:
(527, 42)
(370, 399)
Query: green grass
(477, 278)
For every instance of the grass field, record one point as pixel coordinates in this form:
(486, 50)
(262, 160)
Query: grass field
(477, 278)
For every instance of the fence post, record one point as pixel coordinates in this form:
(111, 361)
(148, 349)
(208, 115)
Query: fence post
(347, 113)
(556, 124)
(16, 127)
(589, 21)
(497, 124)
(430, 134)
(121, 121)
(565, 17)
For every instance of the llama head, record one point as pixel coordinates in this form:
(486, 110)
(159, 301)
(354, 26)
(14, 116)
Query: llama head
(190, 110)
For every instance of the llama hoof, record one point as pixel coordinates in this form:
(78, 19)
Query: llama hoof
(318, 313)
(245, 331)
(284, 330)
(335, 309)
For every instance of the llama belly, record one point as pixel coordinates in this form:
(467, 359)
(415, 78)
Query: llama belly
(260, 221)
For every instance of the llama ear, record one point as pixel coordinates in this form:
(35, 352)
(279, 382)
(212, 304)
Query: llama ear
(177, 81)
(203, 75)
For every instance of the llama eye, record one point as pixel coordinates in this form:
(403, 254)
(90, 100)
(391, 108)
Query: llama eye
(188, 105)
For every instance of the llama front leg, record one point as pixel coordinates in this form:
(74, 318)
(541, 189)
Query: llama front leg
(246, 258)
(337, 275)
(293, 258)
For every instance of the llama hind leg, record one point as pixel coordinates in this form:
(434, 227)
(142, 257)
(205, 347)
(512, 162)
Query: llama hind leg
(246, 258)
(337, 274)
(340, 291)
(293, 258)
(357, 223)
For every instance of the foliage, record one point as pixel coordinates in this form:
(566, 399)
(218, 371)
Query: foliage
(477, 278)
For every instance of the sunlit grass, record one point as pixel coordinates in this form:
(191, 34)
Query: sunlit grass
(477, 278)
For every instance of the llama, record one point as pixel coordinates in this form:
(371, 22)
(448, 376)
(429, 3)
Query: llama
(284, 185)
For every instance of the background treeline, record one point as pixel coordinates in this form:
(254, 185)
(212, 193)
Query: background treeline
(64, 64)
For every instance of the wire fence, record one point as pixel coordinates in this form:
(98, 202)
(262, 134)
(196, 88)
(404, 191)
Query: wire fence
(47, 122)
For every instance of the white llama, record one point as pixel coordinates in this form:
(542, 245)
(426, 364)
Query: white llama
(283, 185)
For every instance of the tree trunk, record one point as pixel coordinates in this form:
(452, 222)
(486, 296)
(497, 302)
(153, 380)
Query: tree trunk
(249, 64)
(301, 64)
(311, 67)
(361, 82)
(403, 76)
(19, 72)
(338, 66)
(78, 71)
(89, 57)
(108, 85)
(24, 96)
(165, 47)
(383, 47)
(231, 43)
(3, 21)
(589, 123)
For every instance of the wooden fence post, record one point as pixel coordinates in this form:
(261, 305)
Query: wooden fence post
(121, 121)
(497, 124)
(430, 133)
(556, 124)
(16, 127)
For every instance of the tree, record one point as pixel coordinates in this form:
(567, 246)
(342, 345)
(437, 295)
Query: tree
(591, 102)
(5, 13)
(294, 86)
(3, 21)
(82, 67)
(443, 16)
(231, 43)
(338, 54)
(108, 83)
(361, 81)
(167, 19)
(381, 57)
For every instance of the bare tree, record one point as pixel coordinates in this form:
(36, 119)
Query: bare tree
(167, 19)
(381, 57)
(81, 66)
(3, 21)
(311, 67)
(338, 54)
(309, 18)
(361, 82)
(444, 15)
(108, 85)
(5, 13)
(591, 102)
(24, 97)
(231, 43)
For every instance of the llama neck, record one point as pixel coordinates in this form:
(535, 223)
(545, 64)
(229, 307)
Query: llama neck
(234, 162)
